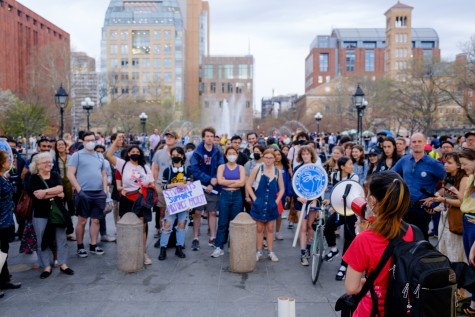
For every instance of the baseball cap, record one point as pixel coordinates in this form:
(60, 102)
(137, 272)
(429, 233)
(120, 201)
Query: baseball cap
(428, 147)
(373, 151)
(467, 134)
(172, 133)
(447, 142)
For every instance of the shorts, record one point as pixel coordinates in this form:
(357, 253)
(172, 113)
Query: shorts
(90, 203)
(211, 203)
(160, 198)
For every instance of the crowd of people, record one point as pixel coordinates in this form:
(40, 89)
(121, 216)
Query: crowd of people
(66, 179)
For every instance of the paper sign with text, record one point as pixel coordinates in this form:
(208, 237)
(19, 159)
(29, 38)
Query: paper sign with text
(184, 199)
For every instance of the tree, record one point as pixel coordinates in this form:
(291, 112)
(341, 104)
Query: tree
(25, 119)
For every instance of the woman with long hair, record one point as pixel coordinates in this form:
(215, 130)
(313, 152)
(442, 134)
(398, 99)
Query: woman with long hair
(360, 165)
(373, 159)
(331, 165)
(345, 172)
(282, 164)
(388, 198)
(389, 157)
(135, 174)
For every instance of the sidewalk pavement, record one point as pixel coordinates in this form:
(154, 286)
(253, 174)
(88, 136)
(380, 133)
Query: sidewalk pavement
(195, 286)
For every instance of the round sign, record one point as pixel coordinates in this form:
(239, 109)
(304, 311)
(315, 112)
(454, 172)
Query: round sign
(310, 181)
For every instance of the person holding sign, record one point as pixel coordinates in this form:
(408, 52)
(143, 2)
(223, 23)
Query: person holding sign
(265, 187)
(174, 176)
(232, 177)
(135, 174)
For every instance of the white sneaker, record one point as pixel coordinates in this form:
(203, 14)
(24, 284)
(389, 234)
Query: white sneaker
(279, 236)
(258, 255)
(147, 260)
(273, 257)
(217, 253)
(108, 238)
(264, 243)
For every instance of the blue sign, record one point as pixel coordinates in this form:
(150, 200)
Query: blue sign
(310, 181)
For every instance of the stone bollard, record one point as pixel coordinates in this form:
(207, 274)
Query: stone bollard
(130, 250)
(242, 254)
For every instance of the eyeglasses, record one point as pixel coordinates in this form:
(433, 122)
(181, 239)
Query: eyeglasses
(45, 163)
(269, 158)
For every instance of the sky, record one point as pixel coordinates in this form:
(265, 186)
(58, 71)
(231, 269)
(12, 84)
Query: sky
(277, 32)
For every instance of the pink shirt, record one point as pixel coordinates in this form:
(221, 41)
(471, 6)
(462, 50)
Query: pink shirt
(134, 176)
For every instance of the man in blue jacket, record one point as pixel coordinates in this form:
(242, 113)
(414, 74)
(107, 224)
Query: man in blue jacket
(204, 166)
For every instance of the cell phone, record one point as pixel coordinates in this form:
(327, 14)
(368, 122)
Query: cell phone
(448, 185)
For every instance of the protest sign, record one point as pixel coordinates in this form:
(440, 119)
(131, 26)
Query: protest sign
(184, 199)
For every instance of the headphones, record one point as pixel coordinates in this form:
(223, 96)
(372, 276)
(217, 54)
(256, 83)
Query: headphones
(177, 169)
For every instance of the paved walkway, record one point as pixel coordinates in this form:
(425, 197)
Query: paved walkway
(195, 286)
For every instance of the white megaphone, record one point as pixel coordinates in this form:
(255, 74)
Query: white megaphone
(355, 201)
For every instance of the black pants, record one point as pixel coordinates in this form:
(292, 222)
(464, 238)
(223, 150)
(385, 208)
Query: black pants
(332, 224)
(416, 215)
(4, 246)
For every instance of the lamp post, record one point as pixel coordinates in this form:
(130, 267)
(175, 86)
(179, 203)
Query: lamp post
(87, 105)
(360, 103)
(318, 118)
(143, 120)
(61, 99)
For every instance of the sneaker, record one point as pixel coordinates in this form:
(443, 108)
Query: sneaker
(108, 238)
(340, 275)
(195, 245)
(264, 244)
(258, 255)
(211, 242)
(82, 253)
(307, 253)
(279, 236)
(330, 255)
(147, 260)
(303, 260)
(291, 225)
(273, 257)
(97, 250)
(469, 311)
(217, 253)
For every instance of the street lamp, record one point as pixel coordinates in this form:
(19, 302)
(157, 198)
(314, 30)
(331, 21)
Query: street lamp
(61, 99)
(143, 120)
(318, 118)
(360, 103)
(87, 105)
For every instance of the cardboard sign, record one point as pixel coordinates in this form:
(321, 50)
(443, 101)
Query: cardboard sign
(179, 200)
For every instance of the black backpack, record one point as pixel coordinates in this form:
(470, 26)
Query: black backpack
(421, 280)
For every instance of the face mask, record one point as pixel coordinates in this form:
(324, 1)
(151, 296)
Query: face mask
(176, 159)
(135, 157)
(232, 158)
(90, 146)
(302, 142)
(257, 156)
(177, 169)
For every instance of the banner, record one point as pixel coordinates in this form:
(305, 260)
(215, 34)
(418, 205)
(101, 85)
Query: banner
(179, 200)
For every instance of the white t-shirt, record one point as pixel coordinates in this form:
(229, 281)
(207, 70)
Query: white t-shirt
(134, 176)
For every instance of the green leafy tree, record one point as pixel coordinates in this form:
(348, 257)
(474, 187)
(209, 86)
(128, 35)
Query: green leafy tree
(25, 119)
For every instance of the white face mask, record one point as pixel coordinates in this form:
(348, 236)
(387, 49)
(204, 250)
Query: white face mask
(232, 158)
(90, 145)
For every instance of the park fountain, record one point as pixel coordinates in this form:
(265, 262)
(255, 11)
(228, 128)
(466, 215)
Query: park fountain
(231, 117)
(298, 124)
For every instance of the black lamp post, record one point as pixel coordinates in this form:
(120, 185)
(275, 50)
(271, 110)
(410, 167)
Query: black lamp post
(61, 99)
(318, 118)
(87, 105)
(143, 120)
(360, 103)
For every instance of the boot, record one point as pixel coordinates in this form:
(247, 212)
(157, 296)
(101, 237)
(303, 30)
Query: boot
(163, 253)
(179, 252)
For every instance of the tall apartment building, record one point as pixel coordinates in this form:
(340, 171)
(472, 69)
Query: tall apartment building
(370, 52)
(84, 84)
(23, 33)
(228, 93)
(151, 48)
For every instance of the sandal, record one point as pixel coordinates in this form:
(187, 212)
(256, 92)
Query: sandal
(340, 275)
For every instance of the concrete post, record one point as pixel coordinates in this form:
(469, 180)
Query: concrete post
(242, 232)
(130, 248)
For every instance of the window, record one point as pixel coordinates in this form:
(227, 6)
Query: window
(221, 104)
(223, 86)
(320, 79)
(369, 44)
(167, 77)
(206, 104)
(244, 71)
(349, 44)
(156, 49)
(239, 88)
(125, 91)
(427, 56)
(145, 91)
(324, 62)
(135, 91)
(212, 87)
(124, 35)
(114, 49)
(327, 79)
(157, 35)
(248, 104)
(124, 63)
(145, 77)
(140, 42)
(230, 88)
(145, 63)
(113, 35)
(167, 49)
(427, 44)
(157, 77)
(157, 63)
(167, 63)
(124, 77)
(369, 61)
(113, 62)
(208, 71)
(225, 72)
(135, 63)
(124, 49)
(350, 61)
(167, 35)
(135, 76)
(309, 65)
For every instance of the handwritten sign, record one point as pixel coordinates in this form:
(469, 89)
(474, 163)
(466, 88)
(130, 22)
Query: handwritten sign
(179, 200)
(310, 181)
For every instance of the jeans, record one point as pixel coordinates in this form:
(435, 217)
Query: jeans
(180, 233)
(44, 257)
(230, 205)
(468, 238)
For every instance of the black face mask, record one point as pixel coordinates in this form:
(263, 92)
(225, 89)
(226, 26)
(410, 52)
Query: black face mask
(135, 157)
(302, 142)
(176, 159)
(257, 156)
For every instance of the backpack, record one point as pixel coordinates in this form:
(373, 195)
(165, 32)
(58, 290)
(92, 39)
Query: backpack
(421, 280)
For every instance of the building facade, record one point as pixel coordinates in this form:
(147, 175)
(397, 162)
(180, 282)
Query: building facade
(273, 106)
(84, 84)
(23, 34)
(145, 46)
(370, 52)
(227, 93)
